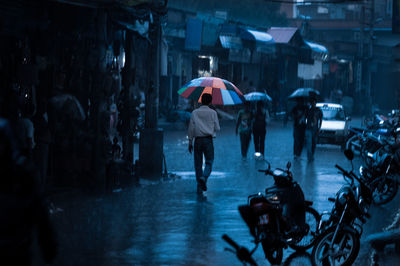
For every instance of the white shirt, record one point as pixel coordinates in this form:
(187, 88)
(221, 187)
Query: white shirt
(203, 122)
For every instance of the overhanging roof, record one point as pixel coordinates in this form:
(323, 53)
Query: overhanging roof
(229, 42)
(282, 34)
(99, 3)
(317, 47)
(259, 36)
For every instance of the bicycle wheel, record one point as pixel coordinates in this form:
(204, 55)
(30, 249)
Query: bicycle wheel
(312, 220)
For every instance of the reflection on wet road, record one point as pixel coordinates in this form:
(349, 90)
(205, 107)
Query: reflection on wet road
(165, 223)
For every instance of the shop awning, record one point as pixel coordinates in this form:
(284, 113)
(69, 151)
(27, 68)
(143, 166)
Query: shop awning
(259, 36)
(318, 51)
(259, 41)
(230, 42)
(317, 47)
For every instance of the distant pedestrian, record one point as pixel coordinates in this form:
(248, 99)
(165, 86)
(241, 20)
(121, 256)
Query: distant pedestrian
(203, 126)
(298, 113)
(260, 119)
(115, 150)
(313, 125)
(243, 127)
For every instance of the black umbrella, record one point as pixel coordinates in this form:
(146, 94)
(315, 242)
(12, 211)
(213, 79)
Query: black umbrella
(304, 93)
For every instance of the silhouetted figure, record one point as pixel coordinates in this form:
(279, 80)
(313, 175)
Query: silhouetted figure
(42, 140)
(115, 149)
(243, 127)
(22, 206)
(299, 126)
(260, 118)
(313, 125)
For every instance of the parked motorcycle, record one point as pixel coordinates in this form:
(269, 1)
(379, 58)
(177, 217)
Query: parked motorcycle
(339, 240)
(380, 172)
(242, 253)
(281, 217)
(363, 141)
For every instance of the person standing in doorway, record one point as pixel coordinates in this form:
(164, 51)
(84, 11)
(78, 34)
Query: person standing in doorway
(203, 126)
(313, 125)
(26, 213)
(42, 140)
(260, 119)
(243, 127)
(299, 126)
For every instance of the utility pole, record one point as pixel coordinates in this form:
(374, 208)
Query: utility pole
(359, 72)
(151, 138)
(370, 56)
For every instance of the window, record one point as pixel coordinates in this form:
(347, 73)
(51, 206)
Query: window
(333, 113)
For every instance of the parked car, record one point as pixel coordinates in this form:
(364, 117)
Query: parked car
(334, 126)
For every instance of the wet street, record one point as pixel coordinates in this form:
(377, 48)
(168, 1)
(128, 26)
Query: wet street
(165, 223)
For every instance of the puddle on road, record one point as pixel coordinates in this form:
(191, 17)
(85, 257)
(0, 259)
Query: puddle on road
(188, 175)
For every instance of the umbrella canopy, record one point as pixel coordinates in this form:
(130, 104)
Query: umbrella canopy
(304, 92)
(257, 96)
(223, 92)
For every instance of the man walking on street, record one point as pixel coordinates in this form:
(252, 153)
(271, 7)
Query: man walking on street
(313, 125)
(203, 126)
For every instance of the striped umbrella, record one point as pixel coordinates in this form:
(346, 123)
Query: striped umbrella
(223, 92)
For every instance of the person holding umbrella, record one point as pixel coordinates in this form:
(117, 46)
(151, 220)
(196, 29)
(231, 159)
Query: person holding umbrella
(299, 113)
(203, 126)
(204, 121)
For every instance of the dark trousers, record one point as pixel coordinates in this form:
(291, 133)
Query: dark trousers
(259, 140)
(298, 136)
(244, 143)
(203, 146)
(311, 143)
(41, 153)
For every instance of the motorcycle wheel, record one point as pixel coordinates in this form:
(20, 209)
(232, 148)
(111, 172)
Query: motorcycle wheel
(307, 241)
(344, 251)
(383, 190)
(273, 254)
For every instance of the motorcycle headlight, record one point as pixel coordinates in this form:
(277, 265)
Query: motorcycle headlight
(361, 170)
(363, 205)
(342, 198)
(273, 198)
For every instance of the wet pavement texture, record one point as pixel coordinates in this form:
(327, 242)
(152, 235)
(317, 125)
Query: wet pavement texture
(165, 223)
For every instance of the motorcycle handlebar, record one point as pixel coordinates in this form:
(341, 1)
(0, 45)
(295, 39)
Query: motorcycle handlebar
(230, 241)
(267, 172)
(242, 253)
(340, 168)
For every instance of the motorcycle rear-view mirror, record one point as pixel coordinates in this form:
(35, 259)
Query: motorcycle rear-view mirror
(268, 165)
(288, 165)
(349, 154)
